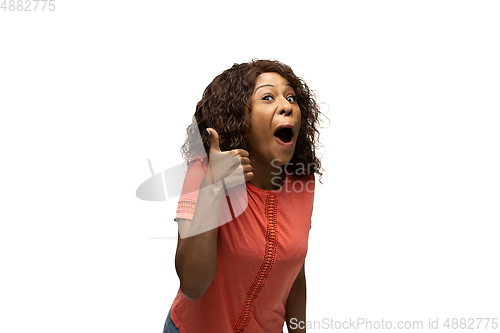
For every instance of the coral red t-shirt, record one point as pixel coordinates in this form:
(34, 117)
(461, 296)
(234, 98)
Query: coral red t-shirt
(259, 255)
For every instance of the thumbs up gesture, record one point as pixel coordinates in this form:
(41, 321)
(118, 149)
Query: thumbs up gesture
(231, 167)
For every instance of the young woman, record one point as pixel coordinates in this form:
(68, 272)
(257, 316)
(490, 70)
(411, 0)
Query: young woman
(240, 253)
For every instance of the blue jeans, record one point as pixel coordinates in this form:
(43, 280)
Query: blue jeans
(170, 326)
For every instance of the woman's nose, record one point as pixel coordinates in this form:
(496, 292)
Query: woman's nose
(285, 108)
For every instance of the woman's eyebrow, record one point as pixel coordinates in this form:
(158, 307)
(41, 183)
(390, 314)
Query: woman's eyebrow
(262, 86)
(269, 85)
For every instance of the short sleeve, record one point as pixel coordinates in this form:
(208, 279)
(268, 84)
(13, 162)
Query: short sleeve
(192, 181)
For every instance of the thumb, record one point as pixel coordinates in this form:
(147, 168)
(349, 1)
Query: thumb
(214, 141)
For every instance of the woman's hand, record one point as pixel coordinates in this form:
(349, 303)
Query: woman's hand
(231, 167)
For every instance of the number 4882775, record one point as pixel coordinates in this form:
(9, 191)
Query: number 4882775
(28, 5)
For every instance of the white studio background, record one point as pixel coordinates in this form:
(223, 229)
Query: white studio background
(405, 226)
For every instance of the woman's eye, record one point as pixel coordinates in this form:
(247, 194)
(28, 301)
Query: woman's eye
(292, 99)
(267, 98)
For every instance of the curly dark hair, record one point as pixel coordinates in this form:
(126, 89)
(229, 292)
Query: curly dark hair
(222, 108)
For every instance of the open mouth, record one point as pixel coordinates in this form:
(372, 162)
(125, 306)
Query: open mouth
(285, 134)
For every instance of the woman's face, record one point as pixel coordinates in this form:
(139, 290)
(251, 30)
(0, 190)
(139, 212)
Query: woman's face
(274, 120)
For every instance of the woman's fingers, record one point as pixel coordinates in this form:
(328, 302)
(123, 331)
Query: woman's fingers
(248, 176)
(247, 168)
(222, 165)
(245, 161)
(240, 152)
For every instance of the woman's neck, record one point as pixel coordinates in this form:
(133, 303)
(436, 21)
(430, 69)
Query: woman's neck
(267, 176)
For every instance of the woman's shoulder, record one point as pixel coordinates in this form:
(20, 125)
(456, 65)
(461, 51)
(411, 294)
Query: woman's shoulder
(194, 175)
(198, 162)
(197, 167)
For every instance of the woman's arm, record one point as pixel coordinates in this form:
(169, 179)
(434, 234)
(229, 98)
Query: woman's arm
(196, 255)
(296, 304)
(195, 263)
